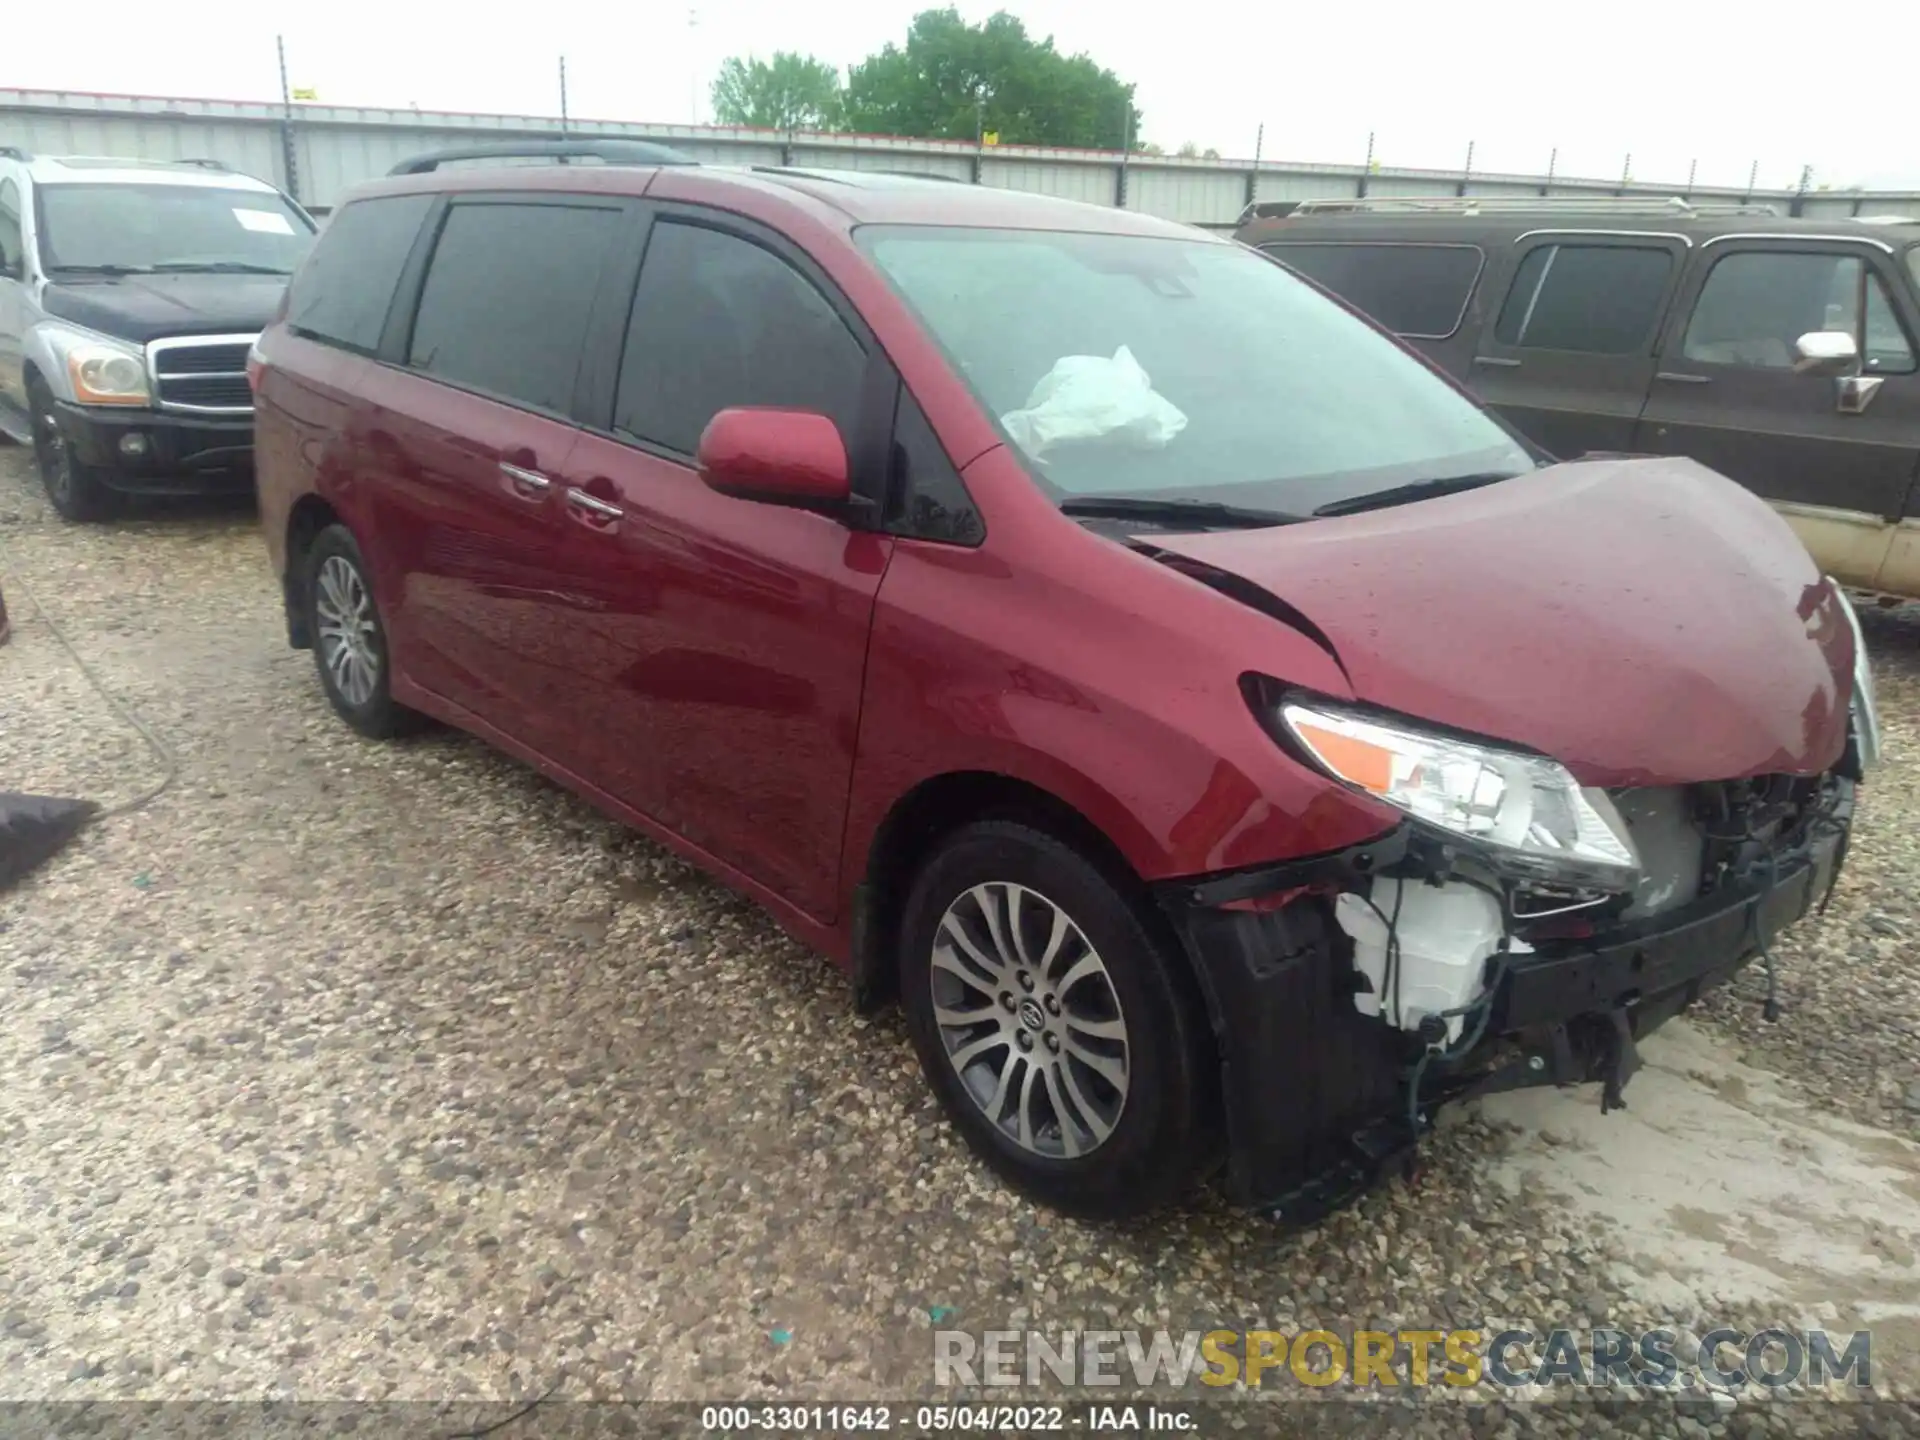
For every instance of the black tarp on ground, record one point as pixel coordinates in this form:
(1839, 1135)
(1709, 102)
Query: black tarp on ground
(33, 828)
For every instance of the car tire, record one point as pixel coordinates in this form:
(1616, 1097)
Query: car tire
(78, 492)
(350, 637)
(1063, 1036)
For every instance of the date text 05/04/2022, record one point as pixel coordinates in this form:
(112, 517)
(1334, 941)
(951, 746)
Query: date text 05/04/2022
(980, 1419)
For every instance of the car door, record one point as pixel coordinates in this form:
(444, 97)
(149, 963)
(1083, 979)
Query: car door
(1569, 354)
(465, 436)
(719, 663)
(13, 304)
(1836, 455)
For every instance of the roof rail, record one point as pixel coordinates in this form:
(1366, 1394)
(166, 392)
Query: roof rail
(202, 162)
(608, 152)
(13, 152)
(1673, 205)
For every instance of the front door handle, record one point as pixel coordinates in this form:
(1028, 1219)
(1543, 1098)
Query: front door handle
(527, 484)
(599, 510)
(1498, 362)
(1681, 378)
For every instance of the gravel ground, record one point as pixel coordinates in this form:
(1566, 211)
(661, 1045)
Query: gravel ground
(353, 1071)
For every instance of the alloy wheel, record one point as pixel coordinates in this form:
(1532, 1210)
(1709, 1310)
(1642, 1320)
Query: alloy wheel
(347, 632)
(1029, 1019)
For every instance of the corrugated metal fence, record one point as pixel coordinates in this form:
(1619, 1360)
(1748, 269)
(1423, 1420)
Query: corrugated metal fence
(317, 152)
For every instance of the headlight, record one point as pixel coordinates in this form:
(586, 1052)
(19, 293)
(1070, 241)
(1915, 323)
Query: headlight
(103, 372)
(1866, 710)
(1523, 812)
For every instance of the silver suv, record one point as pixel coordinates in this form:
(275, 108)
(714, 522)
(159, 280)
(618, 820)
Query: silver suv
(130, 294)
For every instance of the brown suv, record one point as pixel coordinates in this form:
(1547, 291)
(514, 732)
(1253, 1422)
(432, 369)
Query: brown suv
(1780, 352)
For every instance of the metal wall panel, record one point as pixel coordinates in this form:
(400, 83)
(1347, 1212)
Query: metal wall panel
(1093, 183)
(1190, 193)
(337, 147)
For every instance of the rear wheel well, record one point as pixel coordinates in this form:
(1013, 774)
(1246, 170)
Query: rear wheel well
(916, 825)
(310, 516)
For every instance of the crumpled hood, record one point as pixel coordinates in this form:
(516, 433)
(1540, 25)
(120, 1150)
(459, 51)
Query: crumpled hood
(1642, 621)
(146, 307)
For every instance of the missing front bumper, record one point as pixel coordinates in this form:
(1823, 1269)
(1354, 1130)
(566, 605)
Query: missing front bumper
(1322, 1102)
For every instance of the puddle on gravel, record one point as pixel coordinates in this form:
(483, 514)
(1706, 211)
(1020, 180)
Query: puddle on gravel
(1725, 1188)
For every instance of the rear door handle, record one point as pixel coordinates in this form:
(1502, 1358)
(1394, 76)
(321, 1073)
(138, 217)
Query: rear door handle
(1679, 379)
(527, 484)
(591, 505)
(1499, 362)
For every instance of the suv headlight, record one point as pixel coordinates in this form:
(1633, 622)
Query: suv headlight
(1524, 813)
(1865, 708)
(103, 371)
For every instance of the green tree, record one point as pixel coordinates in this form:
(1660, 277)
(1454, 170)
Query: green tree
(788, 92)
(953, 81)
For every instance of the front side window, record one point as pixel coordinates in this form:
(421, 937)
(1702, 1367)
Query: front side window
(1176, 368)
(342, 293)
(719, 321)
(1756, 305)
(139, 228)
(507, 298)
(1418, 291)
(1594, 299)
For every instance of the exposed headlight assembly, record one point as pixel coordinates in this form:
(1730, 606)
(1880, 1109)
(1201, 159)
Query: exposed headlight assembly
(1525, 814)
(1865, 709)
(103, 371)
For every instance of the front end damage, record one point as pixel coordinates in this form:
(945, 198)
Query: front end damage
(1352, 994)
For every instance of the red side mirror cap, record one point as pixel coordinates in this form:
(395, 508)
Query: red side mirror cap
(783, 457)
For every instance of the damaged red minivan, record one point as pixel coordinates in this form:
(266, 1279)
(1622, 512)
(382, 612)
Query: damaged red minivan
(1226, 740)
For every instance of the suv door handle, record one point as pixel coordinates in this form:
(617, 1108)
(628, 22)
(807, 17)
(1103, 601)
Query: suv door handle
(1500, 362)
(528, 484)
(598, 509)
(1679, 378)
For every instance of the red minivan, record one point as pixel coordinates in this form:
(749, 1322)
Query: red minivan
(1225, 739)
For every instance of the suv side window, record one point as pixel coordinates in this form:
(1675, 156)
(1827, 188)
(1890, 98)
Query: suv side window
(1416, 291)
(1597, 299)
(342, 293)
(13, 247)
(507, 297)
(1757, 303)
(717, 321)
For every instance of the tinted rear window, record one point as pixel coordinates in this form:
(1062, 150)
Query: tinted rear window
(1419, 291)
(507, 298)
(1600, 299)
(343, 292)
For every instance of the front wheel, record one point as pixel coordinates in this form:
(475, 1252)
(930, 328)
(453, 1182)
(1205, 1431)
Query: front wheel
(1056, 1028)
(76, 490)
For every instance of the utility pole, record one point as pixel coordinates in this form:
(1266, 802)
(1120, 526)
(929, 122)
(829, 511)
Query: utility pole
(1553, 160)
(1753, 177)
(1366, 169)
(693, 83)
(1253, 175)
(1126, 154)
(1799, 205)
(1626, 173)
(1693, 169)
(563, 97)
(1466, 171)
(287, 157)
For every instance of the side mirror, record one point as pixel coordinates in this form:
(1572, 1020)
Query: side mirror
(1830, 352)
(782, 457)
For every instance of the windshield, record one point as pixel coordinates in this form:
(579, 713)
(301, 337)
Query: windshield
(145, 227)
(1129, 365)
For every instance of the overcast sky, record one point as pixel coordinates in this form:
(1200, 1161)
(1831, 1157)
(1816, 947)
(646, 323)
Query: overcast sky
(1669, 81)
